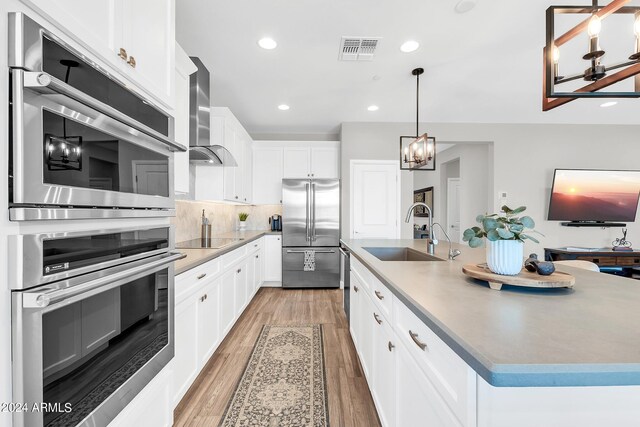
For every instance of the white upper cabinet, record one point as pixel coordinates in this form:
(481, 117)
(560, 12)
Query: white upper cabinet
(311, 160)
(136, 37)
(275, 160)
(231, 183)
(184, 68)
(297, 162)
(267, 174)
(325, 161)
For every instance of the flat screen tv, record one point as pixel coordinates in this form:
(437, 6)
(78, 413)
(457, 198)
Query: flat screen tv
(594, 196)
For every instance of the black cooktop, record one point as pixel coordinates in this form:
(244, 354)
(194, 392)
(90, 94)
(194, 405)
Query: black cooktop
(213, 243)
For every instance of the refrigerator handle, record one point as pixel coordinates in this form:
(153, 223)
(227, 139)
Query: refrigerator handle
(313, 212)
(307, 187)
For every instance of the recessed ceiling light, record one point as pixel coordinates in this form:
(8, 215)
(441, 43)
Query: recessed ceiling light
(267, 43)
(283, 107)
(409, 46)
(465, 6)
(373, 108)
(609, 104)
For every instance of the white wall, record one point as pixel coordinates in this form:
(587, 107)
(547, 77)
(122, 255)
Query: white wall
(469, 162)
(525, 156)
(374, 141)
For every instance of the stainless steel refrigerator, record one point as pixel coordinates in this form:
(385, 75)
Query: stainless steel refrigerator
(310, 233)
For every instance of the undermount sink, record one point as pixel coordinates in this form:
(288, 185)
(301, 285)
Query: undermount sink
(400, 254)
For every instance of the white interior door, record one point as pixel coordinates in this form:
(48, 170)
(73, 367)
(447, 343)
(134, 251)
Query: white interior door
(151, 178)
(375, 200)
(453, 209)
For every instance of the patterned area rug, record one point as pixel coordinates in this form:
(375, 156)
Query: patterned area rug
(284, 382)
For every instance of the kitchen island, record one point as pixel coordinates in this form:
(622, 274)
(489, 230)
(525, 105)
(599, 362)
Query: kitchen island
(533, 356)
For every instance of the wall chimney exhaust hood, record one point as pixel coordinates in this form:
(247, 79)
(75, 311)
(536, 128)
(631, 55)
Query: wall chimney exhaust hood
(201, 150)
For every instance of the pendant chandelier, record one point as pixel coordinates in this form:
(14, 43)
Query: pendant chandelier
(597, 74)
(418, 153)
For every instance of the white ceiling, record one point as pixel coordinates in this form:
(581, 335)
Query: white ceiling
(483, 66)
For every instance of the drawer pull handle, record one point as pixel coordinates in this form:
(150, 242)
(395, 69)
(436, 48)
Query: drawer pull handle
(391, 346)
(122, 53)
(378, 319)
(355, 288)
(206, 296)
(379, 295)
(132, 62)
(202, 276)
(415, 339)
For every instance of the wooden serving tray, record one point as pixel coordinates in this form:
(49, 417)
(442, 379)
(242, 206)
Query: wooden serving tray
(525, 278)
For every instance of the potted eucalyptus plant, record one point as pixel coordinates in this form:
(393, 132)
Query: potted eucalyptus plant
(505, 234)
(242, 216)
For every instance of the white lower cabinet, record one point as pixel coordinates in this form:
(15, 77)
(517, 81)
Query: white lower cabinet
(415, 381)
(273, 258)
(209, 300)
(227, 296)
(417, 401)
(152, 407)
(240, 287)
(208, 320)
(186, 362)
(383, 375)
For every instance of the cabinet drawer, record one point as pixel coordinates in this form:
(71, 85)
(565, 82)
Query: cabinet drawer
(187, 282)
(382, 297)
(604, 260)
(255, 245)
(362, 272)
(450, 375)
(628, 260)
(232, 257)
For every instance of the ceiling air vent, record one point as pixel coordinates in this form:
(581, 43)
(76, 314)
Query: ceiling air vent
(358, 48)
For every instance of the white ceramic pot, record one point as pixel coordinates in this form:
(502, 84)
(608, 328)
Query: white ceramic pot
(505, 256)
(243, 225)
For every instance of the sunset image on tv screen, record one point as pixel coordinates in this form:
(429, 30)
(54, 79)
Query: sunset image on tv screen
(590, 195)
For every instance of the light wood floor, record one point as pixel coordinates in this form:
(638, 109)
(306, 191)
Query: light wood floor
(350, 402)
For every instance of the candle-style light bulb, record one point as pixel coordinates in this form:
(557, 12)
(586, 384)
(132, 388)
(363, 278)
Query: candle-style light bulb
(636, 29)
(556, 55)
(595, 26)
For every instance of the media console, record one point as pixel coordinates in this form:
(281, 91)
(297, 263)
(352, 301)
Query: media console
(604, 258)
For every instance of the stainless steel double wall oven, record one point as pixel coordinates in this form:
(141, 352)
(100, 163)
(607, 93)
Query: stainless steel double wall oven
(92, 311)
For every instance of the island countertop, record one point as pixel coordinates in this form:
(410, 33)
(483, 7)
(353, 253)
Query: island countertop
(520, 337)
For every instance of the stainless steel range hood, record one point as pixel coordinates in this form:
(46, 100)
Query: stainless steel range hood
(201, 150)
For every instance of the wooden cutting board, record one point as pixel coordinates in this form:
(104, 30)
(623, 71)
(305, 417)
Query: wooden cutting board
(525, 278)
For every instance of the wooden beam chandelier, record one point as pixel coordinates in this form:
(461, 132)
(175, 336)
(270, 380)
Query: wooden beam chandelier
(599, 75)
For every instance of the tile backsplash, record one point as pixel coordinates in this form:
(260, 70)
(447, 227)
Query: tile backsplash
(222, 216)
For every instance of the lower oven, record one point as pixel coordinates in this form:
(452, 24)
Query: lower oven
(84, 346)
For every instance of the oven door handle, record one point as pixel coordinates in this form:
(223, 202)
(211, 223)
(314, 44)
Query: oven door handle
(47, 84)
(41, 299)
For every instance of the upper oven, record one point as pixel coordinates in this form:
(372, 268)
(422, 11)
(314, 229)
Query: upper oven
(80, 139)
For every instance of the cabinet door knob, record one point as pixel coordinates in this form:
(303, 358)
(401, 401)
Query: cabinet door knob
(122, 53)
(391, 346)
(132, 62)
(378, 319)
(257, 256)
(415, 339)
(206, 296)
(355, 288)
(239, 271)
(202, 276)
(379, 295)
